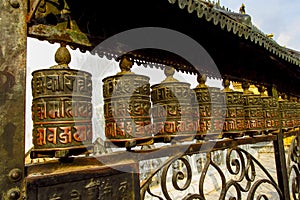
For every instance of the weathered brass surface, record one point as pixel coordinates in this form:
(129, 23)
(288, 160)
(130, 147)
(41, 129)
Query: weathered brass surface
(89, 182)
(210, 105)
(234, 125)
(127, 105)
(254, 118)
(271, 113)
(297, 114)
(171, 109)
(61, 109)
(287, 111)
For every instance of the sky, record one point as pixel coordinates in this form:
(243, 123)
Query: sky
(279, 17)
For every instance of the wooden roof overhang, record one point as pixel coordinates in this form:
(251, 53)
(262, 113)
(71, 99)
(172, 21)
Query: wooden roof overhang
(238, 49)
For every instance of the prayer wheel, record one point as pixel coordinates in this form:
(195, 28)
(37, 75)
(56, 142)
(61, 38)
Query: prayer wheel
(295, 111)
(127, 107)
(171, 109)
(254, 119)
(286, 108)
(210, 104)
(234, 124)
(270, 112)
(298, 113)
(61, 109)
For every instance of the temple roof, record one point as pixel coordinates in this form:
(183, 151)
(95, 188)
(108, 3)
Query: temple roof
(236, 46)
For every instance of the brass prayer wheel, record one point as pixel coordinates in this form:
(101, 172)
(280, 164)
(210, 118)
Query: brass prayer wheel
(271, 114)
(127, 106)
(286, 108)
(171, 109)
(298, 113)
(254, 119)
(270, 111)
(234, 124)
(61, 109)
(295, 111)
(210, 103)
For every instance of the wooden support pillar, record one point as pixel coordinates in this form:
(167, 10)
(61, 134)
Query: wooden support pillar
(12, 96)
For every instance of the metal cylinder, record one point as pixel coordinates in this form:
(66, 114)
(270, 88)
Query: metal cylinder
(127, 107)
(61, 112)
(271, 114)
(171, 109)
(234, 125)
(297, 114)
(286, 113)
(210, 103)
(254, 118)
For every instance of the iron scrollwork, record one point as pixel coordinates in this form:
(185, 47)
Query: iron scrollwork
(240, 176)
(294, 168)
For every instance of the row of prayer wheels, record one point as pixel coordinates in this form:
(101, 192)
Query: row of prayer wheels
(137, 114)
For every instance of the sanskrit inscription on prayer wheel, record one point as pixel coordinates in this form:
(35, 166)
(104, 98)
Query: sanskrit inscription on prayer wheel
(287, 110)
(254, 118)
(270, 111)
(210, 104)
(234, 124)
(61, 109)
(294, 111)
(127, 105)
(298, 113)
(171, 109)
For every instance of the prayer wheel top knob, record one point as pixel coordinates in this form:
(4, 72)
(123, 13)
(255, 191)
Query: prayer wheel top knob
(169, 72)
(262, 90)
(226, 84)
(125, 65)
(246, 86)
(62, 58)
(201, 80)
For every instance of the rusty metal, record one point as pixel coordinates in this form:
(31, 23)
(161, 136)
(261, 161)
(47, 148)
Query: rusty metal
(52, 20)
(127, 106)
(171, 109)
(61, 109)
(12, 96)
(210, 107)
